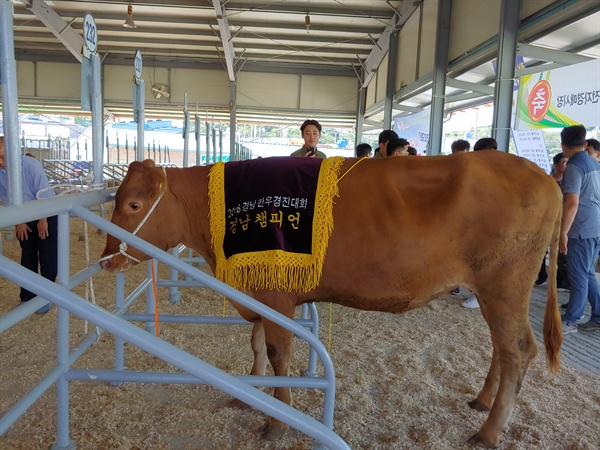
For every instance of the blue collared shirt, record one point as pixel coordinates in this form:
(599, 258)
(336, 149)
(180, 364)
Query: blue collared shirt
(582, 177)
(33, 179)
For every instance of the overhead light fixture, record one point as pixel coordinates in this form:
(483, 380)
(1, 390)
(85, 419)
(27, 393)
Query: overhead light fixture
(307, 21)
(129, 23)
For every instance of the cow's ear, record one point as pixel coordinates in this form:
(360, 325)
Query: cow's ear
(149, 163)
(157, 178)
(136, 166)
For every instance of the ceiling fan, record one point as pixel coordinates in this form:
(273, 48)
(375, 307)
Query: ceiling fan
(160, 90)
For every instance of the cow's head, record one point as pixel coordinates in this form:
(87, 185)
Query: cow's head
(137, 210)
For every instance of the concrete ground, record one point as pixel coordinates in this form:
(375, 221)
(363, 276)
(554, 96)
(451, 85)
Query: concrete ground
(580, 350)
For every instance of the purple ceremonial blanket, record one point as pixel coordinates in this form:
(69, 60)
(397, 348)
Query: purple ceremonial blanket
(269, 204)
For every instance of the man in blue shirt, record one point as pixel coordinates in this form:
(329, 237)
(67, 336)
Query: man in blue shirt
(38, 239)
(580, 229)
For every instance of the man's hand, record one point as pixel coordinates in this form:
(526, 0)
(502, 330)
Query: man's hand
(42, 227)
(562, 244)
(22, 229)
(570, 206)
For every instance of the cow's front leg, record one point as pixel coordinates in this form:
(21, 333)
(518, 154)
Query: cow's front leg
(259, 367)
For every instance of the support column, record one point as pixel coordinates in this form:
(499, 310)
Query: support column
(10, 104)
(141, 120)
(197, 135)
(360, 116)
(503, 90)
(390, 84)
(232, 120)
(186, 132)
(97, 121)
(442, 43)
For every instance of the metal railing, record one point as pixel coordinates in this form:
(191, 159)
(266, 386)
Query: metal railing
(196, 370)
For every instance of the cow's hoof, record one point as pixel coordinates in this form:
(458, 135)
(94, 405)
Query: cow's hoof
(478, 405)
(238, 404)
(480, 441)
(272, 432)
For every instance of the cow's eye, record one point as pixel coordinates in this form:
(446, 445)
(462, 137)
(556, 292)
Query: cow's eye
(134, 206)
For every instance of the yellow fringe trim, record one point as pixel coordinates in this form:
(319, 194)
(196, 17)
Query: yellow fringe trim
(275, 269)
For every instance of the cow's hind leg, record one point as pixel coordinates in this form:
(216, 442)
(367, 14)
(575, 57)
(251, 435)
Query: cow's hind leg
(515, 346)
(259, 367)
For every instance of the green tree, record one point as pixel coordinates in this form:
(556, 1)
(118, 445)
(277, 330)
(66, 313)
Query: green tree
(552, 140)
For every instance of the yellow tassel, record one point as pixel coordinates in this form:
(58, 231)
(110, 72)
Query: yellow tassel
(275, 269)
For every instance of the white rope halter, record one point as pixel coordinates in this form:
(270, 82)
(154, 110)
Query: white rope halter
(123, 245)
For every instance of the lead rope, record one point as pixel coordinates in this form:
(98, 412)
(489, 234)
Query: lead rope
(123, 251)
(89, 285)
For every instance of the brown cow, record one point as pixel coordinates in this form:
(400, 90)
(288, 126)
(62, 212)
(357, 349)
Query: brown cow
(406, 231)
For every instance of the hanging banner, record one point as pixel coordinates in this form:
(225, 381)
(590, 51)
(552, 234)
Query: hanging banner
(528, 143)
(559, 98)
(415, 129)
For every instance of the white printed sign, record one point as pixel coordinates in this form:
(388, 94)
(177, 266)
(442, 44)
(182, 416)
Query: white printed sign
(530, 145)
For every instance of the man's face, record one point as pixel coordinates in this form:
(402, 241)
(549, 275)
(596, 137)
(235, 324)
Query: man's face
(562, 165)
(592, 152)
(2, 163)
(311, 136)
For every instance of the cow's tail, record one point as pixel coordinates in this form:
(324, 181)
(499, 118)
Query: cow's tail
(552, 320)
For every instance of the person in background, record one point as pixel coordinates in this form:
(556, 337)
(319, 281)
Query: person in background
(384, 137)
(592, 147)
(38, 239)
(412, 151)
(311, 133)
(397, 147)
(580, 230)
(559, 164)
(364, 151)
(460, 146)
(487, 143)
